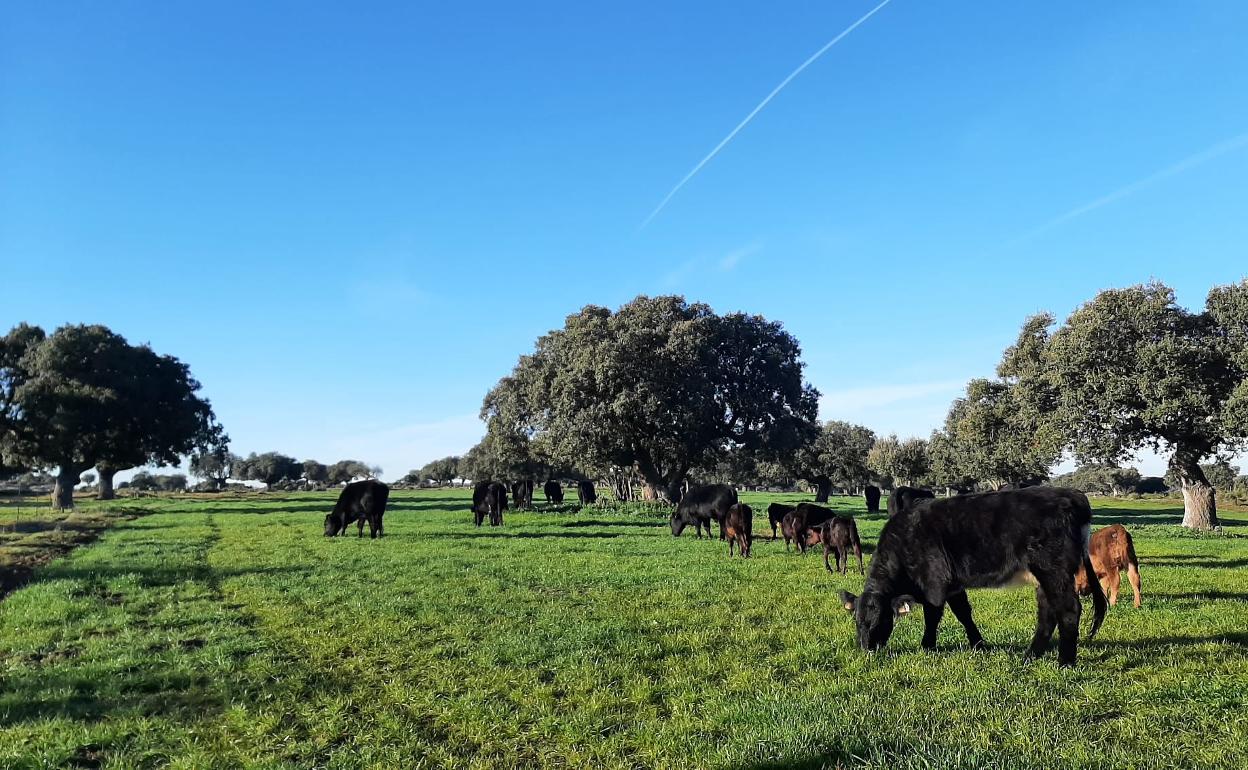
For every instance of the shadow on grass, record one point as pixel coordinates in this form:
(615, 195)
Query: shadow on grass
(1199, 596)
(1194, 561)
(1237, 639)
(604, 523)
(499, 533)
(148, 690)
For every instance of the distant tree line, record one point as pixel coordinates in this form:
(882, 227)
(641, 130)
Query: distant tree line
(662, 391)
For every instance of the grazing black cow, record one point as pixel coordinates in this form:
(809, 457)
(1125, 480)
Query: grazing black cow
(902, 498)
(838, 534)
(807, 516)
(738, 524)
(775, 513)
(935, 551)
(872, 493)
(489, 498)
(361, 501)
(586, 492)
(522, 493)
(701, 504)
(553, 491)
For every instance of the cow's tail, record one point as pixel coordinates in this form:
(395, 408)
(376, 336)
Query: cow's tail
(1083, 534)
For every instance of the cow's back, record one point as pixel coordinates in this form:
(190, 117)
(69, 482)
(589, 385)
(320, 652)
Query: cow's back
(984, 539)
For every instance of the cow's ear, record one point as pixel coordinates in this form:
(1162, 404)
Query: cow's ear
(849, 600)
(903, 605)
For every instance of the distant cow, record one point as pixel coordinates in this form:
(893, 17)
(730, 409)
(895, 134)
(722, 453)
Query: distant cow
(489, 498)
(522, 493)
(872, 493)
(1111, 551)
(838, 535)
(700, 505)
(775, 513)
(933, 552)
(903, 497)
(586, 492)
(738, 525)
(806, 516)
(553, 491)
(362, 501)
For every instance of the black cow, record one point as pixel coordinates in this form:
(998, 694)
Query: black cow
(586, 492)
(701, 504)
(935, 551)
(902, 498)
(775, 514)
(553, 491)
(522, 493)
(807, 516)
(361, 501)
(489, 498)
(872, 493)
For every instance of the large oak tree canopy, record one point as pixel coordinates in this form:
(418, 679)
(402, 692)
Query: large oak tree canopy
(84, 396)
(1131, 369)
(661, 386)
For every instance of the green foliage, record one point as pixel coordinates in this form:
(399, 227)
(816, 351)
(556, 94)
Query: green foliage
(84, 396)
(989, 437)
(343, 471)
(660, 386)
(1101, 479)
(315, 471)
(897, 462)
(269, 468)
(1131, 369)
(215, 463)
(836, 455)
(227, 633)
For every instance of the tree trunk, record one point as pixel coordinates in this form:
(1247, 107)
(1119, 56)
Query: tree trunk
(105, 490)
(823, 488)
(63, 495)
(1200, 510)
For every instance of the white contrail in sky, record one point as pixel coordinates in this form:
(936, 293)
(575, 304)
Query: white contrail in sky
(1190, 162)
(814, 57)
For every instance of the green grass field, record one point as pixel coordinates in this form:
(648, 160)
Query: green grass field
(228, 633)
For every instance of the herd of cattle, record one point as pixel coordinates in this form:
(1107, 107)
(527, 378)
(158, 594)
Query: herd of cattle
(929, 553)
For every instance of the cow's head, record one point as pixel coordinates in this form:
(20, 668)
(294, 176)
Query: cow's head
(332, 525)
(813, 535)
(874, 614)
(678, 524)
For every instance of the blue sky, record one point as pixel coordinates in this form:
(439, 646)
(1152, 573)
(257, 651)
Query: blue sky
(350, 219)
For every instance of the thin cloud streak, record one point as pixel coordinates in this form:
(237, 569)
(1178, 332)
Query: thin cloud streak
(1190, 162)
(813, 58)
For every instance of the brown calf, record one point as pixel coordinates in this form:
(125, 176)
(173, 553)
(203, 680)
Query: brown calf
(838, 534)
(737, 527)
(1111, 551)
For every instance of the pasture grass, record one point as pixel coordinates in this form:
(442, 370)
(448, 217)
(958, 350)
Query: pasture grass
(225, 632)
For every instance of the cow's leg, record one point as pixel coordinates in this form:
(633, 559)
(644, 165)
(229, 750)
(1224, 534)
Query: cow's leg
(731, 542)
(827, 549)
(842, 560)
(1133, 575)
(1110, 584)
(1046, 618)
(932, 613)
(961, 607)
(858, 553)
(1064, 608)
(360, 526)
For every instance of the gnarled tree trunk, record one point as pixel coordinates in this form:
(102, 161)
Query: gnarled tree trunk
(63, 494)
(1200, 510)
(823, 488)
(105, 490)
